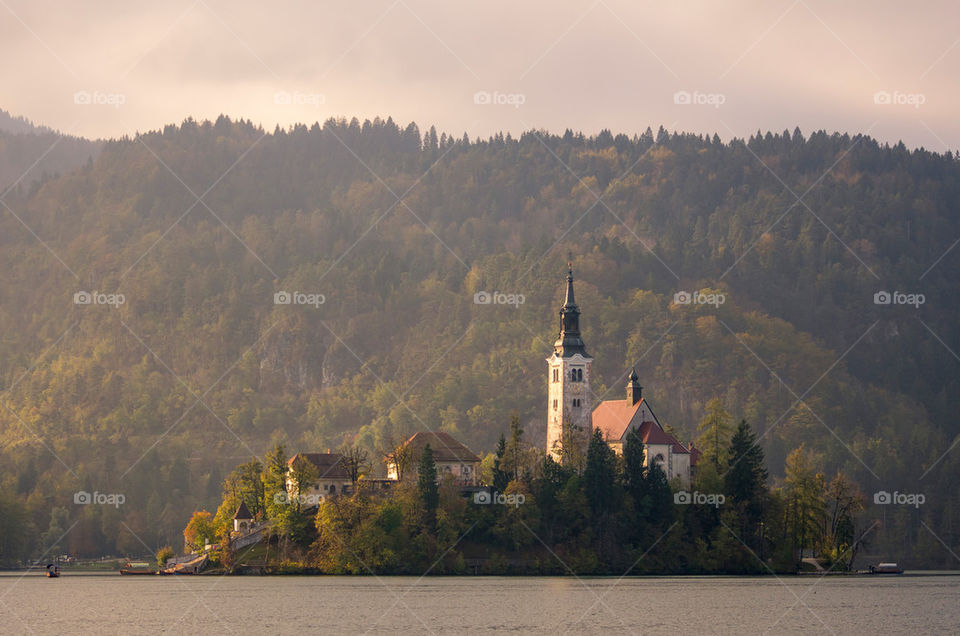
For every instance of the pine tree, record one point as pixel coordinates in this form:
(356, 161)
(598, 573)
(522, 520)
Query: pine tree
(599, 476)
(515, 450)
(500, 477)
(634, 478)
(428, 491)
(746, 479)
(661, 506)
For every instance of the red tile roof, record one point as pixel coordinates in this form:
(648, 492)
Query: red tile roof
(613, 417)
(651, 433)
(445, 448)
(329, 465)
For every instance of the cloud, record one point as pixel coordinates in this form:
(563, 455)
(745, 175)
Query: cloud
(615, 64)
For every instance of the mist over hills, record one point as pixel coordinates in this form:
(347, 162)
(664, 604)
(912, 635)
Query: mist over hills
(30, 153)
(199, 225)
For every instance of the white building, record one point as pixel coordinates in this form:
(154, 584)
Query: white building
(569, 399)
(333, 477)
(616, 418)
(570, 404)
(453, 459)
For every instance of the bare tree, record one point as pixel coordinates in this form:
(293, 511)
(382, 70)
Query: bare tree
(400, 455)
(356, 461)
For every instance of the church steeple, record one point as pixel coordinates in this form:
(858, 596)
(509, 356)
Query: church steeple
(569, 399)
(634, 390)
(569, 341)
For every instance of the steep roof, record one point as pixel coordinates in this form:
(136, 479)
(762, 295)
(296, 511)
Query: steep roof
(329, 465)
(569, 343)
(243, 512)
(651, 433)
(613, 417)
(445, 448)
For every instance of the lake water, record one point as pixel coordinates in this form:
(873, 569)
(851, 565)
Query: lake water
(114, 604)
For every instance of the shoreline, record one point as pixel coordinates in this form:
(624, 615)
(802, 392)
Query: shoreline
(313, 573)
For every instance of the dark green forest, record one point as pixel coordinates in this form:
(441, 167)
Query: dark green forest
(199, 225)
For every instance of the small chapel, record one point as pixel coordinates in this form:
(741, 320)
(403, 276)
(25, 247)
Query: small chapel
(572, 416)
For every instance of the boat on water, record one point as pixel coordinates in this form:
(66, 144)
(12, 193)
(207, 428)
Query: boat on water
(137, 567)
(886, 568)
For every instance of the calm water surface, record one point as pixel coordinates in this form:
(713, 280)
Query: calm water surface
(111, 604)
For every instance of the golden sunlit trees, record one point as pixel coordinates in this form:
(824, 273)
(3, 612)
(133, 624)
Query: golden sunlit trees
(715, 429)
(200, 530)
(804, 488)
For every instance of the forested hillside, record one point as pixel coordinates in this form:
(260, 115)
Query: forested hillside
(31, 153)
(198, 369)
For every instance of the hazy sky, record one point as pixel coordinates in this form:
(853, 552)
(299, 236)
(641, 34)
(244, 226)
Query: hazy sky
(886, 68)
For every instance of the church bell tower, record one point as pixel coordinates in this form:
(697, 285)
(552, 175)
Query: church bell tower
(569, 401)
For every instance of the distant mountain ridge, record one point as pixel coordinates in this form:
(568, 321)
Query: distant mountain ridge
(30, 152)
(19, 125)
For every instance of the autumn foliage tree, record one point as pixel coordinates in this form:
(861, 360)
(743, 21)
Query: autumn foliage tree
(200, 530)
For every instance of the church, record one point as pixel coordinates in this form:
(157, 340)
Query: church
(572, 417)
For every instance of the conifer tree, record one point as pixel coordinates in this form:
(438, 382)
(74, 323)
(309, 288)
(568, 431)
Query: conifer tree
(500, 477)
(428, 491)
(746, 479)
(599, 476)
(714, 431)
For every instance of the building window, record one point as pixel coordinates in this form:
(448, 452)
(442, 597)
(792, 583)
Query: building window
(556, 375)
(554, 405)
(576, 375)
(576, 402)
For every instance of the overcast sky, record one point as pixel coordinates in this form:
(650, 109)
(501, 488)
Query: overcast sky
(889, 68)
